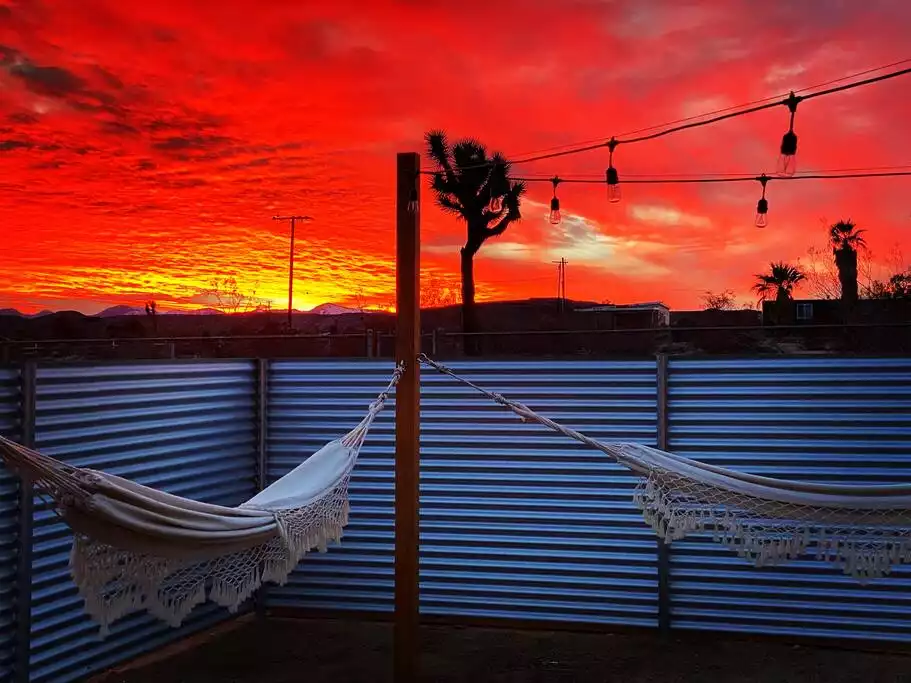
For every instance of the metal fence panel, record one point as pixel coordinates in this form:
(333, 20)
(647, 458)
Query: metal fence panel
(515, 521)
(520, 522)
(844, 420)
(183, 427)
(309, 404)
(9, 524)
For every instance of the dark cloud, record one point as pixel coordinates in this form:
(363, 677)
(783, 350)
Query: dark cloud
(146, 165)
(188, 120)
(110, 79)
(190, 142)
(253, 163)
(54, 81)
(9, 145)
(182, 183)
(164, 35)
(118, 128)
(48, 165)
(23, 118)
(61, 83)
(5, 13)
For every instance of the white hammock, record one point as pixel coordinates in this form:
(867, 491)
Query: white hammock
(864, 530)
(136, 548)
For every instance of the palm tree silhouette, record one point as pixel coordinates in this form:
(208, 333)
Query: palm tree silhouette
(780, 281)
(845, 239)
(478, 190)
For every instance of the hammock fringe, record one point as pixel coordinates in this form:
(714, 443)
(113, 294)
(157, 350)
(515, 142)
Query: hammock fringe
(865, 531)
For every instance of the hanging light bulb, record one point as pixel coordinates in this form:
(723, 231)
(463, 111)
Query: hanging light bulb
(613, 179)
(555, 217)
(613, 185)
(413, 200)
(787, 159)
(762, 206)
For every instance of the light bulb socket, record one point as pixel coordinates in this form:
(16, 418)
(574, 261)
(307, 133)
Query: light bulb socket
(762, 206)
(789, 144)
(554, 204)
(612, 177)
(791, 102)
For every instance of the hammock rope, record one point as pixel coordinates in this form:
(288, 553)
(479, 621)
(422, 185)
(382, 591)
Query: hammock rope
(863, 530)
(136, 548)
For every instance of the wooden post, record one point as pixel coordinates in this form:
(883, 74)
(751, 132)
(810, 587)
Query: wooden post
(407, 417)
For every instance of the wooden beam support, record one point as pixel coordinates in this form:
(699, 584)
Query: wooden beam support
(407, 418)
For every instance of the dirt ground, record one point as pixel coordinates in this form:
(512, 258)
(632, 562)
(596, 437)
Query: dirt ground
(286, 650)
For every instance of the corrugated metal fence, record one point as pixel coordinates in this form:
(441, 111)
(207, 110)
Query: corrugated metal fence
(517, 523)
(10, 427)
(185, 427)
(837, 420)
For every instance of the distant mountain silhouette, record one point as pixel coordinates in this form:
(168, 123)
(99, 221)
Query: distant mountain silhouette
(332, 309)
(20, 314)
(118, 311)
(124, 310)
(198, 311)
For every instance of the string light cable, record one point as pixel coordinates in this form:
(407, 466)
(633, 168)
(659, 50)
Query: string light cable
(716, 178)
(785, 168)
(762, 206)
(519, 158)
(791, 101)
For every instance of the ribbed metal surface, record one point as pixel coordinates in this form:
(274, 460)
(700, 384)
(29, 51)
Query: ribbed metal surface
(185, 428)
(842, 420)
(311, 403)
(9, 524)
(515, 521)
(520, 522)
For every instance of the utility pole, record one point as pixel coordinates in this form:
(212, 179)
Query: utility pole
(561, 282)
(293, 220)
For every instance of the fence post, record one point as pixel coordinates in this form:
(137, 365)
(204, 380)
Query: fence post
(406, 649)
(26, 513)
(664, 550)
(370, 348)
(262, 450)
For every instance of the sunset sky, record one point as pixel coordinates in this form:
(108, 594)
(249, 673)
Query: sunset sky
(145, 146)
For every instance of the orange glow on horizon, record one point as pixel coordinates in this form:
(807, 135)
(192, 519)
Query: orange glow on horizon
(145, 147)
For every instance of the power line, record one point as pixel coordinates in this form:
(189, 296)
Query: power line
(561, 282)
(293, 220)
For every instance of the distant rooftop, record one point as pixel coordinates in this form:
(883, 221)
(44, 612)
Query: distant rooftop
(646, 306)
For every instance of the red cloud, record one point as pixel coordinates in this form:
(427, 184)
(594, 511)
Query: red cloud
(145, 146)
